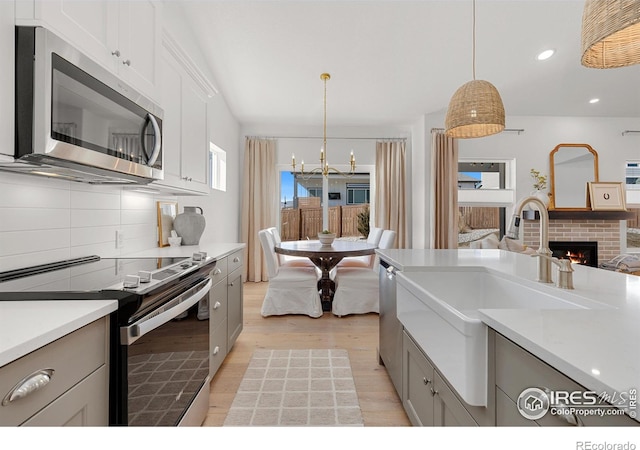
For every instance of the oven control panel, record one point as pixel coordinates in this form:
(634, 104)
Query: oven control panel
(146, 279)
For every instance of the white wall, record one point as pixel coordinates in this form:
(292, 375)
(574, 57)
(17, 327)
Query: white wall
(532, 147)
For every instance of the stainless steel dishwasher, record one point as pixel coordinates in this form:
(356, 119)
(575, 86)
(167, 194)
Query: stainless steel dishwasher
(390, 345)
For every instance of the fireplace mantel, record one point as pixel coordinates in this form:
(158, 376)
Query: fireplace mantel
(569, 214)
(562, 214)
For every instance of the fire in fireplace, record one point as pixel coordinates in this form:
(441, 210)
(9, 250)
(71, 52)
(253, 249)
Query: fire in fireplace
(580, 252)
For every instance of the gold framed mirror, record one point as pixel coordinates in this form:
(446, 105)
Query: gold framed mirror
(571, 168)
(167, 211)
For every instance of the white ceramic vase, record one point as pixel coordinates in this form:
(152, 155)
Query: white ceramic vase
(190, 225)
(543, 196)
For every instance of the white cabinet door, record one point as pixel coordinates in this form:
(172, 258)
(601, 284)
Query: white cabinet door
(123, 36)
(139, 28)
(172, 122)
(7, 50)
(90, 26)
(194, 133)
(185, 132)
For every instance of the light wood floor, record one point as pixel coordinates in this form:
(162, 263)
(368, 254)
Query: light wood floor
(358, 334)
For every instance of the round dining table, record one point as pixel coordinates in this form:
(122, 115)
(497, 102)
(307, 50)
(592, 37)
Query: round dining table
(326, 257)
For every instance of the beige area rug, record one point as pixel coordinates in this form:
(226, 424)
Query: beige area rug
(297, 388)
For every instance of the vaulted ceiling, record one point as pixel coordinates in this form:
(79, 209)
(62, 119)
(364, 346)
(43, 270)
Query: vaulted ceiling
(392, 61)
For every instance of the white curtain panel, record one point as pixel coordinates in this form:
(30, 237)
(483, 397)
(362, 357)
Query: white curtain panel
(259, 202)
(391, 210)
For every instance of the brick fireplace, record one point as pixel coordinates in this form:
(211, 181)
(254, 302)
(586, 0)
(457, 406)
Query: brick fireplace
(605, 232)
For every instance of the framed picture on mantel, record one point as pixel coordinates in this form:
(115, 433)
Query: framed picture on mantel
(606, 196)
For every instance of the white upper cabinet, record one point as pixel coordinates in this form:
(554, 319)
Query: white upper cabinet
(185, 97)
(123, 36)
(7, 50)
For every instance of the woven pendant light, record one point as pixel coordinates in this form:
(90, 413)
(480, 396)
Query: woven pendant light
(475, 109)
(610, 33)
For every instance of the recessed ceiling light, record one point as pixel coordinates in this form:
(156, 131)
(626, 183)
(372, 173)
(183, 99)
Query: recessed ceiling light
(545, 55)
(594, 100)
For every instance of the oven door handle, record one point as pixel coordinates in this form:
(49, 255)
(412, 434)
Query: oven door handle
(171, 310)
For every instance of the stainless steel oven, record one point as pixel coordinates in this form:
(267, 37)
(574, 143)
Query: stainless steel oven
(77, 120)
(159, 336)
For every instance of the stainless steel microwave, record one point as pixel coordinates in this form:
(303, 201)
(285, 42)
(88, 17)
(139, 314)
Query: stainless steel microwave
(77, 120)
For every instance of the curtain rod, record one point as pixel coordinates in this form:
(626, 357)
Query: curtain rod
(335, 138)
(512, 130)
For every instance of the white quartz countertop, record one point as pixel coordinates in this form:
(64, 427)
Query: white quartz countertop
(27, 326)
(215, 250)
(598, 348)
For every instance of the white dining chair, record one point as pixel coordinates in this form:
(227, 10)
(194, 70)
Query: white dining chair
(374, 236)
(357, 287)
(288, 260)
(292, 290)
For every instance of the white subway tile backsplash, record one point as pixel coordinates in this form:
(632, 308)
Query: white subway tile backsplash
(17, 242)
(93, 235)
(25, 196)
(136, 200)
(44, 220)
(104, 249)
(33, 258)
(130, 217)
(95, 200)
(15, 219)
(94, 218)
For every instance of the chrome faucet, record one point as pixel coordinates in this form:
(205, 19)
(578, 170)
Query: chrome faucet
(544, 262)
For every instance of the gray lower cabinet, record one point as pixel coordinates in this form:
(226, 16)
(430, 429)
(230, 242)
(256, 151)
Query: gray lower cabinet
(234, 298)
(517, 370)
(72, 379)
(225, 309)
(426, 397)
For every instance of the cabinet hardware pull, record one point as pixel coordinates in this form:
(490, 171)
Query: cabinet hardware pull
(433, 391)
(116, 53)
(236, 259)
(572, 418)
(216, 305)
(425, 380)
(217, 271)
(216, 350)
(231, 284)
(126, 62)
(28, 385)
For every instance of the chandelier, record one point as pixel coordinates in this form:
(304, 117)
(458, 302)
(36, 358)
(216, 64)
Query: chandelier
(324, 168)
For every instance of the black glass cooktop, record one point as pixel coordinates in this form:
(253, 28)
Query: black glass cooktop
(87, 274)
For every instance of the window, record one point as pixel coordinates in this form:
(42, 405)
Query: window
(632, 189)
(484, 192)
(358, 193)
(314, 192)
(218, 167)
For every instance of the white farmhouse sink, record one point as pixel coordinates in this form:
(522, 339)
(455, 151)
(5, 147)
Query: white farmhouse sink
(440, 310)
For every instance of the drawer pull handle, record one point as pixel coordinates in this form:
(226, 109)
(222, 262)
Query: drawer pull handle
(216, 350)
(116, 53)
(216, 305)
(231, 284)
(433, 391)
(426, 381)
(217, 271)
(572, 418)
(236, 259)
(28, 385)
